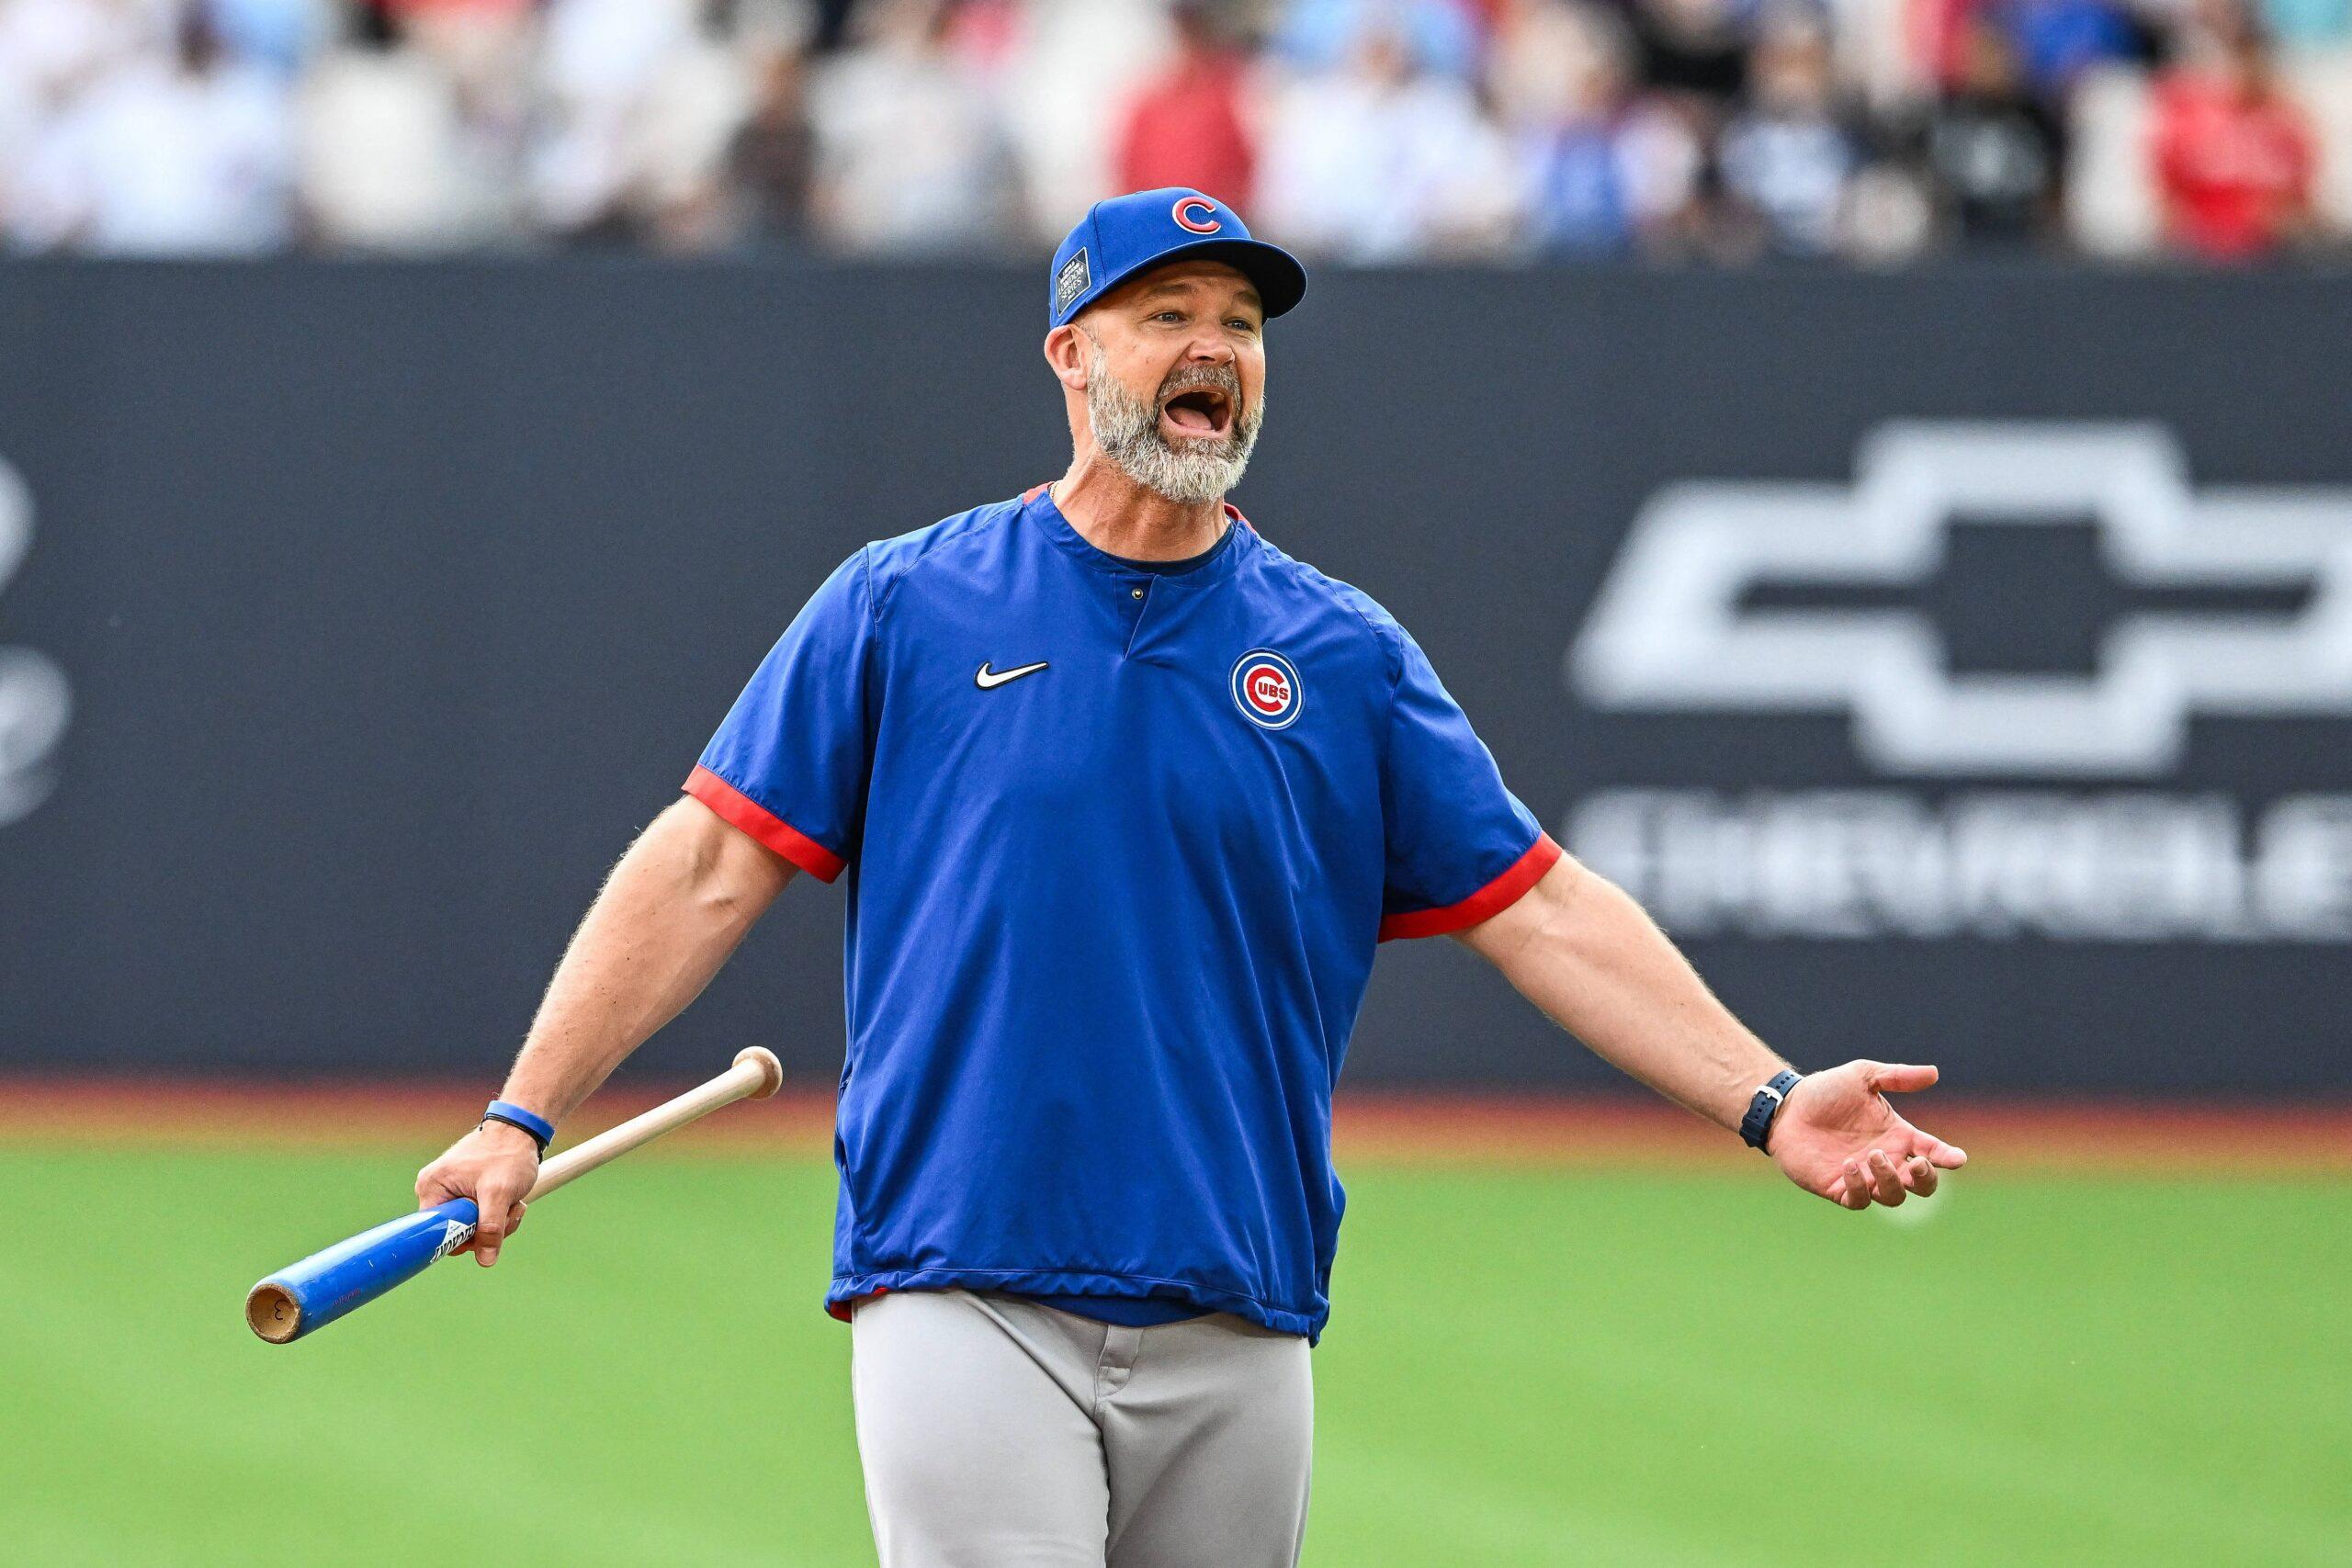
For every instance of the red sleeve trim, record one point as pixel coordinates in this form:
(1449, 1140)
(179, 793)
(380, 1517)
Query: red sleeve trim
(1489, 901)
(740, 810)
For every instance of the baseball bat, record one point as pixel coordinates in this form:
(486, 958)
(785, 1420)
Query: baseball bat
(324, 1286)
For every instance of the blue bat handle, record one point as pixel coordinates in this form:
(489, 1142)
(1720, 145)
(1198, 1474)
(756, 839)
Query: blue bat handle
(325, 1285)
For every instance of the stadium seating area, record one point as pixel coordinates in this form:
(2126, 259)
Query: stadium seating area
(1372, 132)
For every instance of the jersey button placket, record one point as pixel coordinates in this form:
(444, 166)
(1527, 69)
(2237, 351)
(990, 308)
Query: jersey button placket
(1134, 602)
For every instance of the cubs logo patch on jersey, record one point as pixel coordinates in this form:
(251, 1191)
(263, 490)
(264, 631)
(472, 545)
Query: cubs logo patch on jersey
(1266, 689)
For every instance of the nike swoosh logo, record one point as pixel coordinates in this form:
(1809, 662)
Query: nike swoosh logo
(988, 680)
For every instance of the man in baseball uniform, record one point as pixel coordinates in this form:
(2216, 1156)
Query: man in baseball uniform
(1123, 798)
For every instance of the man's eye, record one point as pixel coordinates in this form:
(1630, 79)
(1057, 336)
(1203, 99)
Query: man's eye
(1169, 316)
(1242, 322)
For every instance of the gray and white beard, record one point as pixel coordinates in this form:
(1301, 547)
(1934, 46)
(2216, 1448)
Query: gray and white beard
(1127, 429)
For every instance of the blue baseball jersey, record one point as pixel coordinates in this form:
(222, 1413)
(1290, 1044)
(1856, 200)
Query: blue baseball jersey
(1119, 845)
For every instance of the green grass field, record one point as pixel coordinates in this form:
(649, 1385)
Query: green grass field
(1525, 1367)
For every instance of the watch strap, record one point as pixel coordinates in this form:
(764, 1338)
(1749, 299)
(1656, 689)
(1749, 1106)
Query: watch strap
(1757, 1125)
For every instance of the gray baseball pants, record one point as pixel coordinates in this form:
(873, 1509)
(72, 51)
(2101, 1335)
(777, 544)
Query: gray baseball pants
(998, 1433)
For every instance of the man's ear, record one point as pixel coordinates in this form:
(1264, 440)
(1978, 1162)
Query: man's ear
(1066, 348)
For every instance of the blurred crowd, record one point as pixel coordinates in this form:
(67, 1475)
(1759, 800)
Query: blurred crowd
(1365, 130)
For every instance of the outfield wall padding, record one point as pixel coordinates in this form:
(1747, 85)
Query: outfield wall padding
(363, 611)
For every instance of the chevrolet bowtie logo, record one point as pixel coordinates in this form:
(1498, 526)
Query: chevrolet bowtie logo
(1671, 631)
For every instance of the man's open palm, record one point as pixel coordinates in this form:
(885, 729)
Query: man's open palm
(1837, 1137)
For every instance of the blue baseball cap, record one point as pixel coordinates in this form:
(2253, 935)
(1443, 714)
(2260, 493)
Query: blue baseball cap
(1121, 237)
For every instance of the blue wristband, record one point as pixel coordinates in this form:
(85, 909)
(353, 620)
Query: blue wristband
(542, 1130)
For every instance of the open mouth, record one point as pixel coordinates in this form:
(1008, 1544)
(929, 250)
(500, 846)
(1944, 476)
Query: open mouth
(1200, 413)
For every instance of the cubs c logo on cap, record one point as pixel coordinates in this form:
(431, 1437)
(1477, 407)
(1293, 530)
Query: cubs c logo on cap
(1266, 689)
(1207, 223)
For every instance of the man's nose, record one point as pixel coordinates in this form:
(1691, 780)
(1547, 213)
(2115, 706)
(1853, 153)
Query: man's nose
(1209, 348)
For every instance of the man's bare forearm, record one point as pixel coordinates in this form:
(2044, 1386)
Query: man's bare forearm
(671, 914)
(1581, 949)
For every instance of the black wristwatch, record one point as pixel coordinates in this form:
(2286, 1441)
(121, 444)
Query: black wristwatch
(1757, 1125)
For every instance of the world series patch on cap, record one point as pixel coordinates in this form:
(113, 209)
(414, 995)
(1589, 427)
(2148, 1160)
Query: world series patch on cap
(1129, 235)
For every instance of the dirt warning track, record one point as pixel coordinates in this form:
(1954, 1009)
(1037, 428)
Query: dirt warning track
(2001, 1136)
